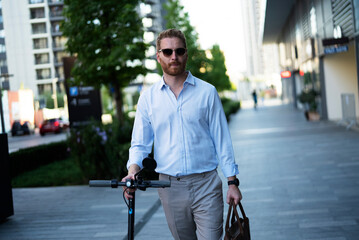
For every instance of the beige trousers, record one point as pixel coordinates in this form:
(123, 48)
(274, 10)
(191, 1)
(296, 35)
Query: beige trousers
(193, 206)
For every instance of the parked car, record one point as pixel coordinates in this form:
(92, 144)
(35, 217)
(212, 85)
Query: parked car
(19, 129)
(54, 125)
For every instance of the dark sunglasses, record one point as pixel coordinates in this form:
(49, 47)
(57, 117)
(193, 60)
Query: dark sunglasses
(168, 52)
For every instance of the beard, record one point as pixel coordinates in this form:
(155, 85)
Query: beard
(174, 68)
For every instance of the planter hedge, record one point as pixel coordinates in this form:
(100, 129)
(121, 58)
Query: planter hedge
(230, 107)
(31, 158)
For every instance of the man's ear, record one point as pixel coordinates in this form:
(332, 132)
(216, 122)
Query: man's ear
(158, 57)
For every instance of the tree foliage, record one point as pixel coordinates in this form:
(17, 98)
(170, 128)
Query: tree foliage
(217, 71)
(177, 18)
(106, 37)
(211, 70)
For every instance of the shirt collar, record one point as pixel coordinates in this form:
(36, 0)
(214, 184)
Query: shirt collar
(189, 80)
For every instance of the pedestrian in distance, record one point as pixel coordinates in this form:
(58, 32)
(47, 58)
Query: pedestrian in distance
(255, 98)
(182, 118)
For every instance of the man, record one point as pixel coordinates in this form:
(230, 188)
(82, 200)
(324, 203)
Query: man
(184, 119)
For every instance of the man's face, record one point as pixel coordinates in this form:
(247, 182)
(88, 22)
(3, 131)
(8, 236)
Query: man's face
(173, 64)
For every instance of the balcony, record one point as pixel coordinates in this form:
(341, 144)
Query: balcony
(40, 43)
(38, 28)
(37, 13)
(35, 1)
(56, 13)
(55, 2)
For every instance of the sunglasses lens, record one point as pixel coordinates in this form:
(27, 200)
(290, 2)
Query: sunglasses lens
(167, 52)
(180, 51)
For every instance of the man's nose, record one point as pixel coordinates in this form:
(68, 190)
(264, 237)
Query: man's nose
(174, 54)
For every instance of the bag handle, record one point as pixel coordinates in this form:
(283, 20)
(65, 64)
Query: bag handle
(242, 210)
(228, 215)
(233, 208)
(235, 214)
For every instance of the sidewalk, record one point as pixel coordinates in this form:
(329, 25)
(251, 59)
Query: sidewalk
(299, 180)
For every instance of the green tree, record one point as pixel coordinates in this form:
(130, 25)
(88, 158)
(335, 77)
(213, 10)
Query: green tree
(177, 18)
(217, 71)
(47, 96)
(106, 37)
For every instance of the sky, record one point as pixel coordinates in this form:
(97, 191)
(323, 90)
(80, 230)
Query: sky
(218, 22)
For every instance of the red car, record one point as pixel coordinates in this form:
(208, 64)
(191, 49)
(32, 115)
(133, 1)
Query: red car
(54, 125)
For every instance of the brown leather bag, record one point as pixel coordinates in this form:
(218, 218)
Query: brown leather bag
(239, 228)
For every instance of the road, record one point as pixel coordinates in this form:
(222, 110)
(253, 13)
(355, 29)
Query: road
(19, 142)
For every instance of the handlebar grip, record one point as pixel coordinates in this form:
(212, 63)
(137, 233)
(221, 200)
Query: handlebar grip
(100, 183)
(114, 183)
(159, 184)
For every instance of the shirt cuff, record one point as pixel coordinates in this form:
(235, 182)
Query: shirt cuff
(230, 171)
(135, 158)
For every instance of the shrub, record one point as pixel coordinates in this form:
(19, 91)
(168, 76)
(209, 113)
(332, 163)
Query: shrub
(308, 97)
(59, 173)
(230, 107)
(31, 158)
(101, 151)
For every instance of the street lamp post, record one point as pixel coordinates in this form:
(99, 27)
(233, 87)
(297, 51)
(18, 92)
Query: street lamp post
(7, 205)
(1, 112)
(6, 77)
(54, 90)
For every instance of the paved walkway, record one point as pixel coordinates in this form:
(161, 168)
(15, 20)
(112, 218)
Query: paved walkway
(299, 180)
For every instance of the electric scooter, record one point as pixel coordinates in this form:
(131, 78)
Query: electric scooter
(138, 183)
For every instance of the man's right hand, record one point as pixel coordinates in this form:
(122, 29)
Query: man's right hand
(131, 175)
(128, 191)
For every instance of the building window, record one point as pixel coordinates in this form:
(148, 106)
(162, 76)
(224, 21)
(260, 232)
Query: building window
(43, 73)
(59, 42)
(44, 88)
(40, 43)
(38, 28)
(56, 11)
(3, 63)
(42, 58)
(356, 13)
(313, 21)
(55, 27)
(59, 56)
(59, 72)
(37, 13)
(55, 1)
(2, 48)
(35, 1)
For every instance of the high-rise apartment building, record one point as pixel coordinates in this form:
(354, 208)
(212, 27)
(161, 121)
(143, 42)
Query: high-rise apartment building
(262, 69)
(35, 45)
(3, 62)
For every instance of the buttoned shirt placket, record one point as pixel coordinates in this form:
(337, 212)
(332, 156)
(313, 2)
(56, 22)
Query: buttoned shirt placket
(180, 118)
(179, 110)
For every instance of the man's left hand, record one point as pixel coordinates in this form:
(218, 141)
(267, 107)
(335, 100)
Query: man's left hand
(234, 194)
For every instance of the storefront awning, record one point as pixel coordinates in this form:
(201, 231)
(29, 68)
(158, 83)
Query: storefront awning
(276, 15)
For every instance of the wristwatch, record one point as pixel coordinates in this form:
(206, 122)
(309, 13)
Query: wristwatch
(234, 182)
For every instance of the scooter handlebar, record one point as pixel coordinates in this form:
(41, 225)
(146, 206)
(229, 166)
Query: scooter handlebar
(106, 183)
(157, 184)
(143, 184)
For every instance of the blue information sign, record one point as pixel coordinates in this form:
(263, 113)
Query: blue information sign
(335, 49)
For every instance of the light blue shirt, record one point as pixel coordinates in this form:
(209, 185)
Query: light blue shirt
(190, 133)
